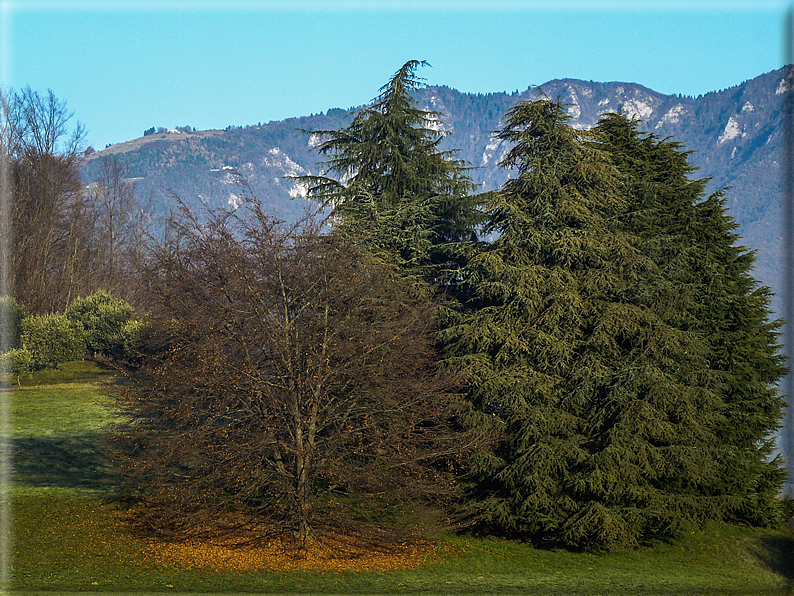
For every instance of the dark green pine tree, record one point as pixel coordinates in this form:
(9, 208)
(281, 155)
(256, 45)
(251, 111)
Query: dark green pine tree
(709, 277)
(605, 411)
(390, 177)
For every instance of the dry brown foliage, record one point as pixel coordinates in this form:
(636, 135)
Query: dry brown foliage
(292, 383)
(330, 553)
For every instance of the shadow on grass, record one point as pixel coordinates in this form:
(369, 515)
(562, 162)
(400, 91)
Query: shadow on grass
(777, 554)
(70, 372)
(75, 461)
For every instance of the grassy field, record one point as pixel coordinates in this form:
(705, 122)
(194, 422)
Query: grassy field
(69, 539)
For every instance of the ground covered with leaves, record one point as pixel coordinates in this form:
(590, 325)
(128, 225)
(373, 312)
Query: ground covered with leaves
(341, 555)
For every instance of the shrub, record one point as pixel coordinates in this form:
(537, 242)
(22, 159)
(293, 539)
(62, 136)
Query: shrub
(787, 506)
(17, 362)
(133, 332)
(103, 320)
(52, 339)
(13, 313)
(134, 336)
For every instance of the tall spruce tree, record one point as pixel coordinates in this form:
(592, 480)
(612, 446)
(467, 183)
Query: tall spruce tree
(391, 176)
(607, 413)
(708, 276)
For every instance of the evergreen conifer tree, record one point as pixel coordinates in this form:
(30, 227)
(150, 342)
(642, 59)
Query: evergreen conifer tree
(392, 177)
(607, 413)
(708, 278)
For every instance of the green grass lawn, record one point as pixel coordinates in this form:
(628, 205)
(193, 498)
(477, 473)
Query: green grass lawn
(69, 539)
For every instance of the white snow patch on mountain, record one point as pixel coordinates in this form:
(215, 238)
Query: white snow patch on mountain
(672, 116)
(636, 108)
(299, 189)
(603, 102)
(782, 87)
(314, 140)
(492, 146)
(234, 201)
(748, 107)
(731, 131)
(574, 110)
(279, 159)
(434, 124)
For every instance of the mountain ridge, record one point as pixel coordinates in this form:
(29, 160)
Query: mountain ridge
(735, 135)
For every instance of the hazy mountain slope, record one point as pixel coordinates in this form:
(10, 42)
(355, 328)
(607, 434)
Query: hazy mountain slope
(736, 136)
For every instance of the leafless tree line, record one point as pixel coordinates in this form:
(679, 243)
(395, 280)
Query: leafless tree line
(64, 239)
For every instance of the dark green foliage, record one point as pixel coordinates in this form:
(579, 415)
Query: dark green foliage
(52, 339)
(16, 362)
(707, 279)
(787, 506)
(391, 171)
(607, 412)
(103, 320)
(12, 313)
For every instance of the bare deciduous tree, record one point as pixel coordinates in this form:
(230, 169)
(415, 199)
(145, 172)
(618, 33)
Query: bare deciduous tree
(119, 224)
(292, 387)
(45, 184)
(63, 240)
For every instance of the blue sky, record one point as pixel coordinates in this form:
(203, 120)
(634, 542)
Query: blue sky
(123, 65)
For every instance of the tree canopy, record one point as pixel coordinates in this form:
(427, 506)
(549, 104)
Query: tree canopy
(391, 175)
(708, 277)
(581, 342)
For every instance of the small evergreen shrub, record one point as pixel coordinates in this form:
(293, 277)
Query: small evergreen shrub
(12, 313)
(134, 337)
(788, 511)
(103, 320)
(52, 339)
(17, 362)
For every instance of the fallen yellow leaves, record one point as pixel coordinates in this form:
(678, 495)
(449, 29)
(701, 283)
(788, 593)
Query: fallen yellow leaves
(338, 555)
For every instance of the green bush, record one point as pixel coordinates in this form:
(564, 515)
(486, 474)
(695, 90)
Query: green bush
(52, 339)
(103, 320)
(788, 511)
(133, 334)
(135, 337)
(17, 362)
(12, 313)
